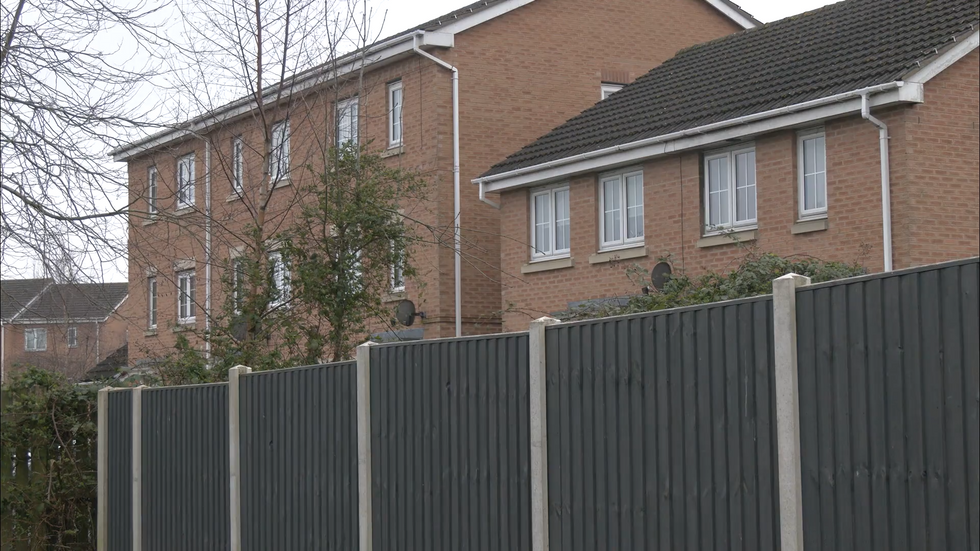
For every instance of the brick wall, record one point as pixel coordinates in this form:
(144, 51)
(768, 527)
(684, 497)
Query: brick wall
(93, 344)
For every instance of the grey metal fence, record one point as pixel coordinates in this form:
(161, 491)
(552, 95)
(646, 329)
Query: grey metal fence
(888, 380)
(185, 467)
(450, 444)
(119, 475)
(299, 458)
(661, 430)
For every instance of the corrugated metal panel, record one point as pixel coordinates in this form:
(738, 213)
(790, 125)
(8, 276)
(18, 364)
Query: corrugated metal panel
(119, 476)
(299, 458)
(661, 430)
(450, 444)
(889, 398)
(185, 467)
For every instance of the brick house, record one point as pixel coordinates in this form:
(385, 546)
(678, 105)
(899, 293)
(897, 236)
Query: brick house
(757, 139)
(63, 327)
(519, 75)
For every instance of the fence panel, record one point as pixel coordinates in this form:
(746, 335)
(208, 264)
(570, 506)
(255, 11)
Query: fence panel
(185, 467)
(299, 458)
(661, 430)
(889, 398)
(119, 476)
(451, 457)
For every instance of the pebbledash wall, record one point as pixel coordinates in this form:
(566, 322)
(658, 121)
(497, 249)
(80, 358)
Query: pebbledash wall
(515, 84)
(935, 162)
(660, 430)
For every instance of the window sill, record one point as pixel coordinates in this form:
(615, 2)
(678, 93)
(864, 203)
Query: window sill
(151, 220)
(393, 296)
(807, 226)
(393, 151)
(182, 211)
(285, 182)
(150, 333)
(614, 255)
(729, 238)
(545, 265)
(235, 196)
(184, 325)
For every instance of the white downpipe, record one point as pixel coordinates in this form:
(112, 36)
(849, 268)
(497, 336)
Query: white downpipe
(483, 198)
(207, 249)
(886, 200)
(456, 209)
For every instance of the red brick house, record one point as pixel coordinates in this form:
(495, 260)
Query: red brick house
(63, 327)
(523, 66)
(784, 137)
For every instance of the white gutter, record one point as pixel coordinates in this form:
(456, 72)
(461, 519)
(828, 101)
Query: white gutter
(207, 249)
(456, 209)
(3, 350)
(483, 197)
(98, 337)
(886, 201)
(666, 138)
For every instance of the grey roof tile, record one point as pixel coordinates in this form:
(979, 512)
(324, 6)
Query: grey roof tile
(76, 301)
(15, 294)
(838, 48)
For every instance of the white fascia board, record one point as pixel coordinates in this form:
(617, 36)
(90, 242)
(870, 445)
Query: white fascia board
(481, 17)
(380, 55)
(805, 114)
(944, 61)
(732, 14)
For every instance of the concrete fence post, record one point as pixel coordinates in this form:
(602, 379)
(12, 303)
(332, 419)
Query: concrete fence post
(365, 510)
(102, 459)
(538, 390)
(788, 410)
(137, 468)
(234, 455)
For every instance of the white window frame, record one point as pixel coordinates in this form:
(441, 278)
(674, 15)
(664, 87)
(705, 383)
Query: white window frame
(396, 132)
(186, 296)
(609, 88)
(625, 242)
(280, 279)
(152, 189)
(151, 302)
(238, 165)
(733, 224)
(397, 280)
(818, 212)
(344, 110)
(185, 188)
(31, 339)
(552, 251)
(279, 152)
(71, 337)
(237, 283)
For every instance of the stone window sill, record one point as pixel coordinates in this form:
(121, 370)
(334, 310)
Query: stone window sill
(183, 211)
(151, 220)
(285, 182)
(235, 196)
(602, 257)
(547, 265)
(393, 151)
(807, 226)
(182, 326)
(393, 296)
(730, 238)
(150, 333)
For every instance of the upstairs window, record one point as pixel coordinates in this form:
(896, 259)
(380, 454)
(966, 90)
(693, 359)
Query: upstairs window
(551, 232)
(151, 190)
(729, 190)
(237, 165)
(609, 88)
(281, 283)
(35, 340)
(151, 302)
(395, 114)
(186, 296)
(621, 207)
(812, 161)
(238, 283)
(185, 181)
(71, 337)
(398, 272)
(347, 121)
(279, 155)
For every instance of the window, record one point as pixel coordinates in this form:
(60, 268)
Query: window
(71, 337)
(550, 223)
(609, 88)
(238, 283)
(729, 189)
(282, 286)
(151, 302)
(395, 114)
(812, 160)
(35, 340)
(621, 205)
(279, 161)
(186, 294)
(398, 271)
(151, 191)
(185, 181)
(347, 121)
(237, 165)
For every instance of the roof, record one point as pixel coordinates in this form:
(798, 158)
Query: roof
(443, 23)
(110, 366)
(16, 294)
(75, 301)
(839, 48)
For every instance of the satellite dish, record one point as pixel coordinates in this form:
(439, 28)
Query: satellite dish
(405, 312)
(659, 275)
